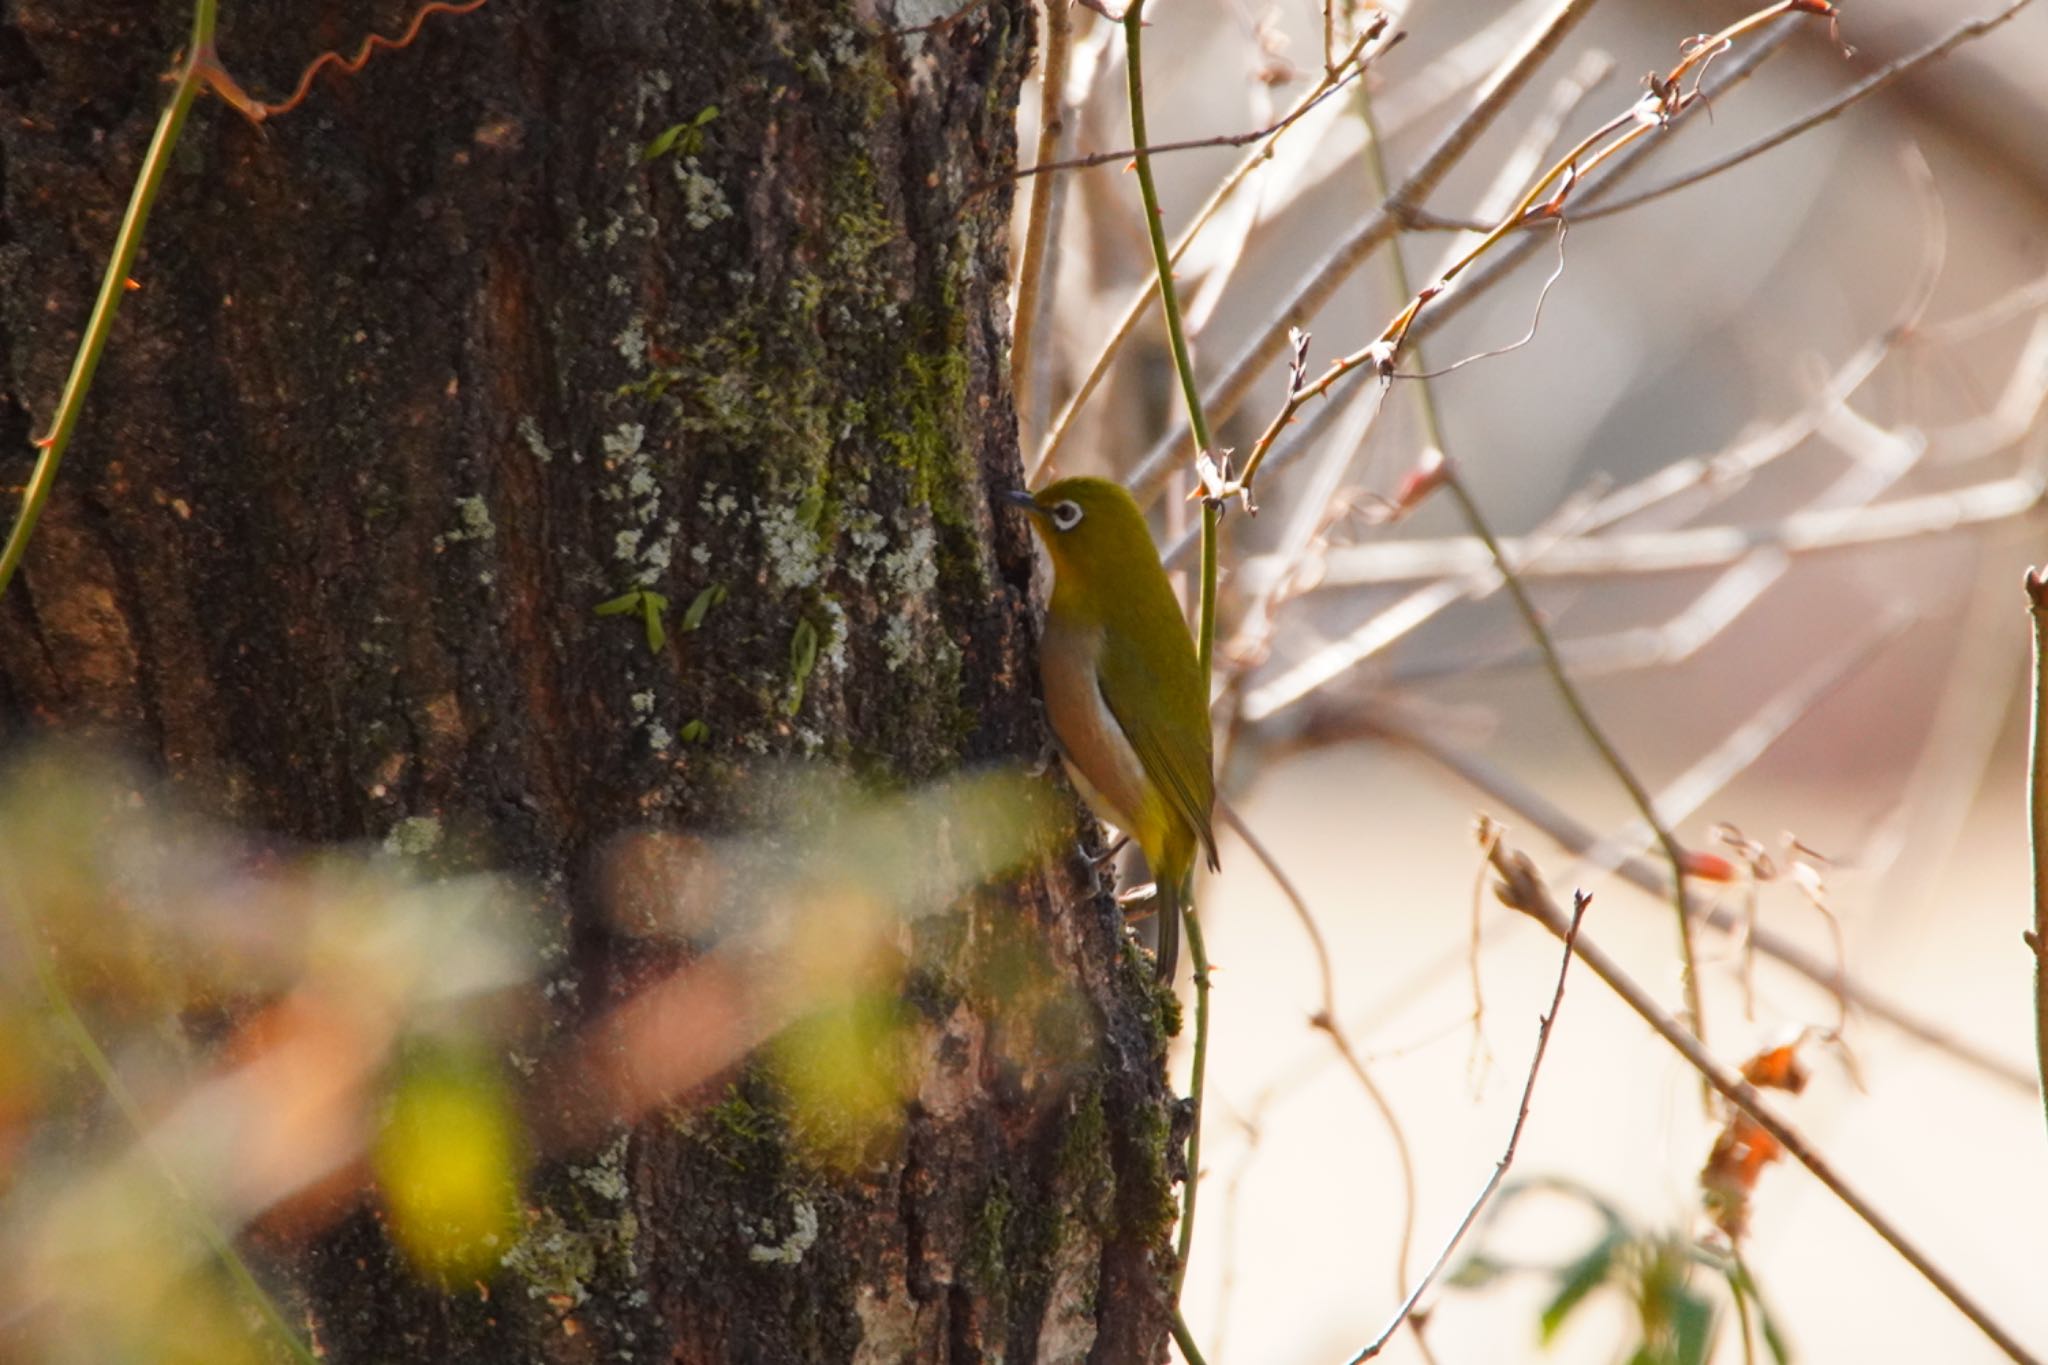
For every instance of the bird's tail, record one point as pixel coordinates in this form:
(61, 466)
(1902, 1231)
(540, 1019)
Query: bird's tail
(1166, 956)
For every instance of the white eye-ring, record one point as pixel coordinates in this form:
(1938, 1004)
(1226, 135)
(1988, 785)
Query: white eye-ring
(1066, 515)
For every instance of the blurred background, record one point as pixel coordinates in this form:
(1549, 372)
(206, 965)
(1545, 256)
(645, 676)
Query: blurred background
(1775, 451)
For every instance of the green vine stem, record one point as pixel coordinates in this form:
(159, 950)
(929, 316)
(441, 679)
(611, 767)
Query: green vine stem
(1205, 634)
(73, 1025)
(1185, 1339)
(1199, 955)
(1518, 593)
(193, 76)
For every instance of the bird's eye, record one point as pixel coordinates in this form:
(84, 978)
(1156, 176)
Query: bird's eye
(1066, 515)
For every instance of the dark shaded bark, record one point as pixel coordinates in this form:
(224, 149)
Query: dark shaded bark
(419, 375)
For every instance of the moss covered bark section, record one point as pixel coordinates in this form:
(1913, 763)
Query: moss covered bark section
(695, 309)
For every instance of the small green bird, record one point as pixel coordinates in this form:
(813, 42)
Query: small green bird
(1123, 689)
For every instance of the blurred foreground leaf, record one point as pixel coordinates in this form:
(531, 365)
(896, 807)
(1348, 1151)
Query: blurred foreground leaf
(448, 1160)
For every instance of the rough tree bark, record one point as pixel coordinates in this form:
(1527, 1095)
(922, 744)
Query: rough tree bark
(421, 373)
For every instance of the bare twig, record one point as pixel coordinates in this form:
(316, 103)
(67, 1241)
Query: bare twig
(1326, 1022)
(1568, 692)
(1535, 322)
(1692, 548)
(1398, 620)
(1052, 79)
(2037, 813)
(1728, 73)
(2027, 298)
(1547, 197)
(1522, 889)
(1393, 561)
(1306, 529)
(1337, 80)
(1564, 174)
(1546, 1022)
(1743, 745)
(1722, 471)
(1134, 309)
(1570, 834)
(1854, 95)
(1880, 458)
(1307, 297)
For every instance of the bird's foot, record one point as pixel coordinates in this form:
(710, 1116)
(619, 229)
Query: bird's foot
(1096, 857)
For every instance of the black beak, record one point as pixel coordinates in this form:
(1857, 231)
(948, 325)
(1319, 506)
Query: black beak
(1022, 499)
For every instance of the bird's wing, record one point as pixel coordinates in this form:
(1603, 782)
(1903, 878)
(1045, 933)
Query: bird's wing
(1154, 712)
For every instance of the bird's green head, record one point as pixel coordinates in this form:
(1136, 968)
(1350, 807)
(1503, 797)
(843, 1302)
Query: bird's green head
(1092, 529)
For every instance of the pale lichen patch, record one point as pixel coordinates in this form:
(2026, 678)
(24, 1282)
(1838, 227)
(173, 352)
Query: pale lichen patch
(473, 516)
(414, 836)
(536, 443)
(795, 559)
(789, 1250)
(704, 201)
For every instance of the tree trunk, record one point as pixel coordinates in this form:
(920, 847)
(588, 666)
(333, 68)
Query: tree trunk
(420, 375)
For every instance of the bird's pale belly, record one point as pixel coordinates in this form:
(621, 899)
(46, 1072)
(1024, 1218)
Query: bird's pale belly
(1100, 760)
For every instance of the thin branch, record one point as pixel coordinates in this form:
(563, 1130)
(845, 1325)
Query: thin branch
(2027, 298)
(1535, 322)
(1316, 507)
(1547, 1021)
(1742, 746)
(1854, 95)
(1727, 75)
(1564, 173)
(1694, 548)
(1322, 283)
(2014, 412)
(1134, 309)
(1409, 99)
(1052, 79)
(1359, 415)
(1679, 799)
(2037, 813)
(1721, 472)
(1326, 1022)
(1397, 621)
(1568, 692)
(1570, 834)
(1532, 149)
(1879, 460)
(1522, 889)
(1331, 86)
(1547, 197)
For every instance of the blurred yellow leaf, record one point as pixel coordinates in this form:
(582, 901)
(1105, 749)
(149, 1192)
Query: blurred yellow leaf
(846, 1069)
(448, 1162)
